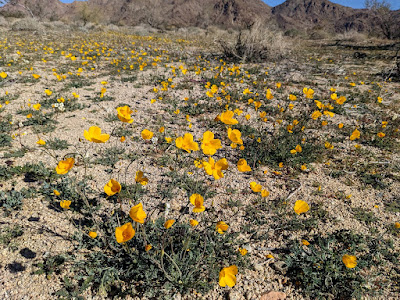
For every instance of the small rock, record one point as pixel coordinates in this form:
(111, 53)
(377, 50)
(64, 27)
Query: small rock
(272, 295)
(235, 295)
(177, 296)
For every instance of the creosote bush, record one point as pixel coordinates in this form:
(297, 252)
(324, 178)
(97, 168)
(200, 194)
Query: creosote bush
(256, 44)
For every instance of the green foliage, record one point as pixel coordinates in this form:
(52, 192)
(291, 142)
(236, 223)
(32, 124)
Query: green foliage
(32, 172)
(50, 265)
(318, 268)
(110, 156)
(57, 144)
(8, 233)
(5, 123)
(182, 258)
(42, 123)
(11, 199)
(363, 215)
(5, 140)
(275, 148)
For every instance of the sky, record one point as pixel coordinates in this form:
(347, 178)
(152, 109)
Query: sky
(352, 3)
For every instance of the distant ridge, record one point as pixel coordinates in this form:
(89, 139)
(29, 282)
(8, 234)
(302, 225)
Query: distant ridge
(302, 15)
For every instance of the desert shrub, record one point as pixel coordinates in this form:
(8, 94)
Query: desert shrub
(352, 36)
(318, 34)
(56, 25)
(27, 24)
(3, 22)
(143, 29)
(254, 45)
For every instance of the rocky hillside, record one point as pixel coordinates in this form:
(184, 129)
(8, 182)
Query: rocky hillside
(323, 14)
(305, 15)
(227, 13)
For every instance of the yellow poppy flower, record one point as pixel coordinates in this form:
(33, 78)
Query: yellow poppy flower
(48, 92)
(36, 76)
(308, 92)
(186, 143)
(316, 114)
(227, 118)
(124, 233)
(235, 136)
(222, 227)
(94, 135)
(243, 166)
(355, 135)
(193, 223)
(269, 95)
(340, 100)
(41, 142)
(301, 207)
(255, 187)
(215, 168)
(243, 251)
(209, 144)
(3, 75)
(37, 106)
(139, 178)
(65, 165)
(112, 187)
(92, 234)
(137, 213)
(305, 242)
(124, 114)
(197, 200)
(328, 146)
(169, 223)
(227, 276)
(146, 134)
(148, 247)
(381, 134)
(65, 204)
(264, 193)
(350, 261)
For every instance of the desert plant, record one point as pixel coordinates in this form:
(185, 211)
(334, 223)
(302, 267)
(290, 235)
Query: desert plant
(319, 267)
(385, 19)
(255, 44)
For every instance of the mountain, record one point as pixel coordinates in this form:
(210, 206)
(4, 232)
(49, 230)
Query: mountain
(321, 14)
(226, 13)
(302, 15)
